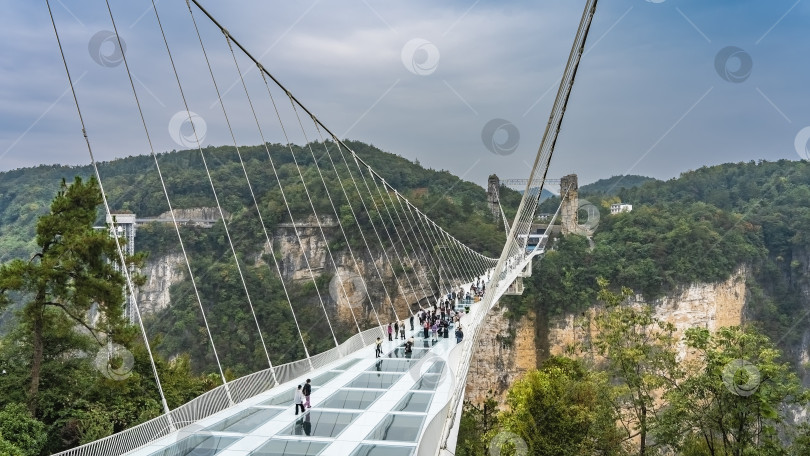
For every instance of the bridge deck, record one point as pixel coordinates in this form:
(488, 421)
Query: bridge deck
(361, 405)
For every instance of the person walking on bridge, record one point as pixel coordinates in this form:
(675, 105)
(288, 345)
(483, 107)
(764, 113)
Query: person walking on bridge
(390, 331)
(299, 400)
(378, 349)
(411, 322)
(306, 391)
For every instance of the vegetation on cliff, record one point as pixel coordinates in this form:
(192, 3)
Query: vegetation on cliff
(629, 394)
(698, 228)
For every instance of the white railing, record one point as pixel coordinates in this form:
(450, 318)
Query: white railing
(216, 400)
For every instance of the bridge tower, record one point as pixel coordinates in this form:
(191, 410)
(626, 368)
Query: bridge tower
(125, 229)
(570, 204)
(493, 185)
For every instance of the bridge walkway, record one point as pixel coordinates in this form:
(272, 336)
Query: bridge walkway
(361, 405)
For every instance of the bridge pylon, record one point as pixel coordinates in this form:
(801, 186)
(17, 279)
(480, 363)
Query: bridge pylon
(569, 189)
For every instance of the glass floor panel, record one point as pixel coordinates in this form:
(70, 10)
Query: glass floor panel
(290, 448)
(414, 402)
(320, 424)
(382, 450)
(401, 428)
(428, 382)
(197, 445)
(400, 353)
(391, 365)
(285, 398)
(245, 421)
(323, 378)
(374, 380)
(351, 399)
(347, 364)
(437, 367)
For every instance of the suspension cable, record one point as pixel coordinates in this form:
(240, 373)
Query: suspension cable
(359, 229)
(121, 256)
(224, 222)
(174, 219)
(329, 196)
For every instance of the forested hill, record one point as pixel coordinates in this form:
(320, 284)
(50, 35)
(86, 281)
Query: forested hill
(699, 227)
(614, 185)
(132, 184)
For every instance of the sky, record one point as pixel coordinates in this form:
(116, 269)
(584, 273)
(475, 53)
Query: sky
(665, 86)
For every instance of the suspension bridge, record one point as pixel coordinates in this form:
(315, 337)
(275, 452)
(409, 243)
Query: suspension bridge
(405, 402)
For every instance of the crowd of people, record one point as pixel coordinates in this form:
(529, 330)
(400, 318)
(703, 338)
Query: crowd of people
(434, 321)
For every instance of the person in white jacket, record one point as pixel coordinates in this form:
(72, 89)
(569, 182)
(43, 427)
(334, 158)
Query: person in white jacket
(299, 400)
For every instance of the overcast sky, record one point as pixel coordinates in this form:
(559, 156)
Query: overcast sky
(665, 85)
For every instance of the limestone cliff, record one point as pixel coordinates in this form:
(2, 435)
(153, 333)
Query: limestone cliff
(161, 273)
(503, 358)
(358, 278)
(353, 286)
(505, 352)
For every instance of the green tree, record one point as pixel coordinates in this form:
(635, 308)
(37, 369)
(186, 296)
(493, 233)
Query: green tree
(732, 403)
(638, 351)
(476, 422)
(20, 433)
(69, 274)
(563, 409)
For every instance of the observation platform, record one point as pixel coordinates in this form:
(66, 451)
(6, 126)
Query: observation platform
(394, 405)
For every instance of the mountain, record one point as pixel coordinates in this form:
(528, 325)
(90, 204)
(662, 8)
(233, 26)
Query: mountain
(702, 227)
(614, 185)
(132, 184)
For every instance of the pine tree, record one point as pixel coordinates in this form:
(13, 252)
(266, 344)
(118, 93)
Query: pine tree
(69, 274)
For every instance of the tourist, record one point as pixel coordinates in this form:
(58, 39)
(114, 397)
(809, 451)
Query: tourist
(396, 329)
(411, 322)
(426, 327)
(378, 351)
(459, 335)
(307, 390)
(299, 400)
(390, 332)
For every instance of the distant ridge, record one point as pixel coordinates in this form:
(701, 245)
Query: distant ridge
(613, 185)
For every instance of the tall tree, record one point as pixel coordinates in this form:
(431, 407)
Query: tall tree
(733, 402)
(562, 409)
(638, 349)
(69, 274)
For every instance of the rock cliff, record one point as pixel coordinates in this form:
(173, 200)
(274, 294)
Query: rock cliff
(508, 350)
(368, 282)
